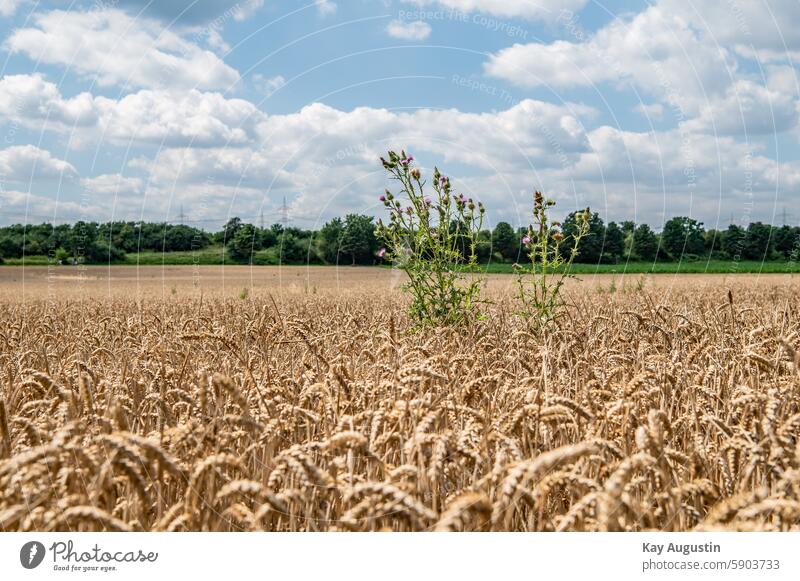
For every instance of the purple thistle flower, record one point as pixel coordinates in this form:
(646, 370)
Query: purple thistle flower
(407, 160)
(382, 198)
(526, 240)
(381, 253)
(428, 201)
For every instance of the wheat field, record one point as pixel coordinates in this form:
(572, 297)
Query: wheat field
(307, 404)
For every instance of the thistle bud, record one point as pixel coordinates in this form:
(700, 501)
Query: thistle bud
(416, 174)
(538, 199)
(558, 236)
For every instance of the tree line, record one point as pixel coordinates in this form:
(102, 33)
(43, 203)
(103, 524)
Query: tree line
(353, 240)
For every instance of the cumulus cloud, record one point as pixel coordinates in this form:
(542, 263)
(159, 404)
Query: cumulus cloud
(117, 49)
(496, 140)
(529, 9)
(24, 163)
(26, 207)
(31, 99)
(268, 85)
(324, 158)
(656, 51)
(113, 184)
(651, 110)
(325, 7)
(765, 28)
(664, 54)
(9, 7)
(161, 117)
(416, 30)
(747, 108)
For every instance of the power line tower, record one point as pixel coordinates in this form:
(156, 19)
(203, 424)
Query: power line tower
(785, 217)
(284, 211)
(181, 216)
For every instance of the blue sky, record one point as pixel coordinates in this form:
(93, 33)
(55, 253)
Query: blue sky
(130, 109)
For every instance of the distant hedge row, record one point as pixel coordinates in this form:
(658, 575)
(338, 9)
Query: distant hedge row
(353, 240)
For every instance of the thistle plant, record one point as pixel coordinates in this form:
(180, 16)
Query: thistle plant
(433, 239)
(540, 283)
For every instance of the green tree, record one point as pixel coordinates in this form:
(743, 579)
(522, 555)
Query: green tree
(713, 242)
(329, 240)
(645, 243)
(10, 247)
(99, 251)
(181, 237)
(628, 226)
(506, 241)
(614, 243)
(84, 235)
(126, 237)
(294, 249)
(358, 239)
(683, 236)
(733, 241)
(268, 237)
(590, 249)
(244, 243)
(758, 242)
(483, 248)
(229, 230)
(787, 240)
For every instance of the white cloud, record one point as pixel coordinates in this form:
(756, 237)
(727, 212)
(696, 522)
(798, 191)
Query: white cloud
(747, 108)
(268, 85)
(416, 30)
(9, 7)
(326, 159)
(656, 51)
(30, 99)
(325, 7)
(148, 116)
(25, 163)
(768, 25)
(530, 9)
(112, 184)
(18, 207)
(496, 140)
(116, 49)
(783, 79)
(651, 110)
